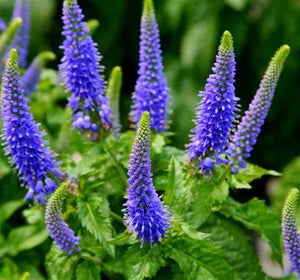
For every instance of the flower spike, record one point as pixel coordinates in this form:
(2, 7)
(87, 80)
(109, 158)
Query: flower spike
(151, 90)
(145, 213)
(8, 36)
(216, 111)
(58, 229)
(21, 41)
(249, 128)
(80, 71)
(113, 94)
(291, 237)
(32, 75)
(34, 163)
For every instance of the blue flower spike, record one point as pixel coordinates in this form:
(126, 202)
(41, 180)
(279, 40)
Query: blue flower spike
(291, 237)
(58, 229)
(249, 128)
(21, 41)
(81, 73)
(32, 160)
(151, 90)
(216, 111)
(145, 213)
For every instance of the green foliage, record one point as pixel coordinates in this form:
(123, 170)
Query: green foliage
(211, 235)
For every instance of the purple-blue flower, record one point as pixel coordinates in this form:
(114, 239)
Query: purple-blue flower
(21, 40)
(145, 213)
(249, 128)
(151, 90)
(216, 111)
(2, 25)
(80, 70)
(31, 76)
(291, 237)
(32, 160)
(58, 229)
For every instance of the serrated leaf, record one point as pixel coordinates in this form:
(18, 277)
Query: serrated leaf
(88, 270)
(8, 208)
(26, 237)
(175, 180)
(139, 263)
(59, 265)
(255, 215)
(234, 182)
(253, 172)
(206, 196)
(94, 215)
(237, 247)
(200, 260)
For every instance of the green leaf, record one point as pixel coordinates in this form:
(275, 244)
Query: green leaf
(26, 237)
(9, 270)
(200, 259)
(206, 196)
(139, 263)
(59, 265)
(9, 208)
(253, 172)
(94, 215)
(158, 143)
(88, 270)
(236, 4)
(236, 245)
(175, 180)
(33, 215)
(255, 215)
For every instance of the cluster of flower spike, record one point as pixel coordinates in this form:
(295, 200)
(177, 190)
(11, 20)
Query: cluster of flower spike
(249, 128)
(21, 40)
(216, 111)
(58, 229)
(144, 213)
(80, 71)
(151, 90)
(24, 143)
(291, 237)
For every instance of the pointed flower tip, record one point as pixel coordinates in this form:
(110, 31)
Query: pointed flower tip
(70, 2)
(145, 120)
(13, 57)
(227, 40)
(43, 57)
(148, 9)
(117, 70)
(17, 21)
(281, 55)
(290, 204)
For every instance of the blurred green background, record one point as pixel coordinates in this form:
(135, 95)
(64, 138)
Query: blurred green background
(190, 32)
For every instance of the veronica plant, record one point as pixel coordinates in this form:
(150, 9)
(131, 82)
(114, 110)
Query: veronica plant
(216, 111)
(33, 161)
(80, 70)
(291, 237)
(144, 213)
(113, 94)
(58, 229)
(151, 90)
(249, 127)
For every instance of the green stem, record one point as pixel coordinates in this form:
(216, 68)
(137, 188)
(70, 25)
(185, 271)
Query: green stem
(116, 217)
